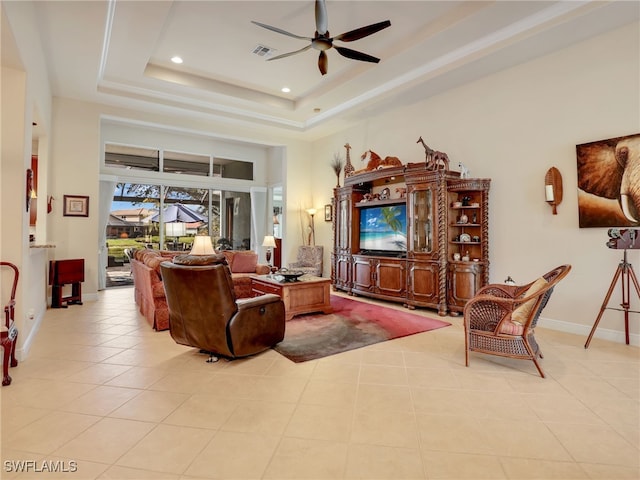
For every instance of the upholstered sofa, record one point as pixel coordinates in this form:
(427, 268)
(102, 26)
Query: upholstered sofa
(149, 291)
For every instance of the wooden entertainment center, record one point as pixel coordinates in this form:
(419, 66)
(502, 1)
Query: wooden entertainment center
(431, 230)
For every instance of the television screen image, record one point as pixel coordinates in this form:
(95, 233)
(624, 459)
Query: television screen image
(384, 229)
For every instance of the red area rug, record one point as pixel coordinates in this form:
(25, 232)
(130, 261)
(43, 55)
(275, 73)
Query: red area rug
(352, 325)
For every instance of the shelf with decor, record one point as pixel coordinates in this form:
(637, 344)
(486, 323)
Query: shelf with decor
(468, 240)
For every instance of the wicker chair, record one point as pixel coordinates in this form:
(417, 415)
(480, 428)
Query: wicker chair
(500, 319)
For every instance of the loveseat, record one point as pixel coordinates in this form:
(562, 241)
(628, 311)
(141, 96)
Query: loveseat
(149, 291)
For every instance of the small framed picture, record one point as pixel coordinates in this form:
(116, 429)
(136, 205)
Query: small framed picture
(75, 206)
(328, 213)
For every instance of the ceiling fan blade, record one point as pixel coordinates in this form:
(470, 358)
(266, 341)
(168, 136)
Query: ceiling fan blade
(362, 32)
(355, 55)
(289, 54)
(322, 20)
(323, 63)
(279, 30)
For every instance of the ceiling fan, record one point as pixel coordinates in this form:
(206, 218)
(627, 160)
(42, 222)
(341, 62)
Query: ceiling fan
(323, 41)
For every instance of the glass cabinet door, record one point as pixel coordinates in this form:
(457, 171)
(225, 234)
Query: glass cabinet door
(422, 235)
(343, 224)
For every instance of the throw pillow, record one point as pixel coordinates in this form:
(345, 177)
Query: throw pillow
(244, 262)
(229, 254)
(521, 313)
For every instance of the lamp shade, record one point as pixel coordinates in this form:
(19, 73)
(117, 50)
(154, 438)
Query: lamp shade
(312, 211)
(202, 245)
(269, 241)
(174, 229)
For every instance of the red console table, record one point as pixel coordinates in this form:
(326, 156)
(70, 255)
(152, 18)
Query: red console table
(66, 272)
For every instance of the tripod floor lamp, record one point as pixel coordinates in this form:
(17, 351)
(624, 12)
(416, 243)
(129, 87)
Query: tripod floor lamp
(624, 273)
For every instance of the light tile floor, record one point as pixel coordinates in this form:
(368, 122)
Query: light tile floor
(102, 393)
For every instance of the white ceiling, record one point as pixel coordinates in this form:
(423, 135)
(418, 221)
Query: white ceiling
(118, 53)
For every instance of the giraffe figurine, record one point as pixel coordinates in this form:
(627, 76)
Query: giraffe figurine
(348, 168)
(428, 152)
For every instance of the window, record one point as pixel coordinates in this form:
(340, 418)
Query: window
(186, 164)
(154, 160)
(132, 158)
(195, 207)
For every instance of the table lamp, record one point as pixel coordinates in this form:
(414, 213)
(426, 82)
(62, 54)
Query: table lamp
(269, 242)
(202, 245)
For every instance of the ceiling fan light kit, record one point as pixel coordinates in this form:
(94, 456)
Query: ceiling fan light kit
(323, 41)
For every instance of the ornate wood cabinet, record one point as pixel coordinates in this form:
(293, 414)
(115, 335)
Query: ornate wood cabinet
(436, 254)
(379, 277)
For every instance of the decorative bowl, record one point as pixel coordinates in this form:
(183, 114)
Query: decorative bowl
(290, 275)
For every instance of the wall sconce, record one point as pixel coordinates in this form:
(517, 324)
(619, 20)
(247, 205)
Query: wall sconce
(553, 188)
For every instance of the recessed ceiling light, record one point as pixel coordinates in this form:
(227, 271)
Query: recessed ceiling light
(285, 89)
(176, 59)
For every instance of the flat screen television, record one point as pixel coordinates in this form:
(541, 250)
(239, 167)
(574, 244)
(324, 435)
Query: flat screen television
(383, 230)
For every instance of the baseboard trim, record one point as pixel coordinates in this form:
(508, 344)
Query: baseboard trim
(23, 351)
(584, 330)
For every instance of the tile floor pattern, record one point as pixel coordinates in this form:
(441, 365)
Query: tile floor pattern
(104, 394)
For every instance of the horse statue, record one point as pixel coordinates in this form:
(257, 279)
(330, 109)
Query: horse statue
(464, 171)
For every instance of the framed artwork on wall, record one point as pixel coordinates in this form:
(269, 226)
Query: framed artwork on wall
(75, 206)
(609, 182)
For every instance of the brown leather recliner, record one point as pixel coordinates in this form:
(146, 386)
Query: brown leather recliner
(204, 313)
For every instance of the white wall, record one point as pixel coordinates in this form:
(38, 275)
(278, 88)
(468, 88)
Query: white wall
(511, 127)
(75, 169)
(26, 97)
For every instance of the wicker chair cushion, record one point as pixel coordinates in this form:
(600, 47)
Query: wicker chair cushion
(511, 328)
(522, 313)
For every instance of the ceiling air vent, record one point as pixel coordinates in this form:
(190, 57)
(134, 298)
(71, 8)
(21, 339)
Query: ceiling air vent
(263, 51)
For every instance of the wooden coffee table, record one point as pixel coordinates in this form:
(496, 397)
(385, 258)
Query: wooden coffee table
(306, 295)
